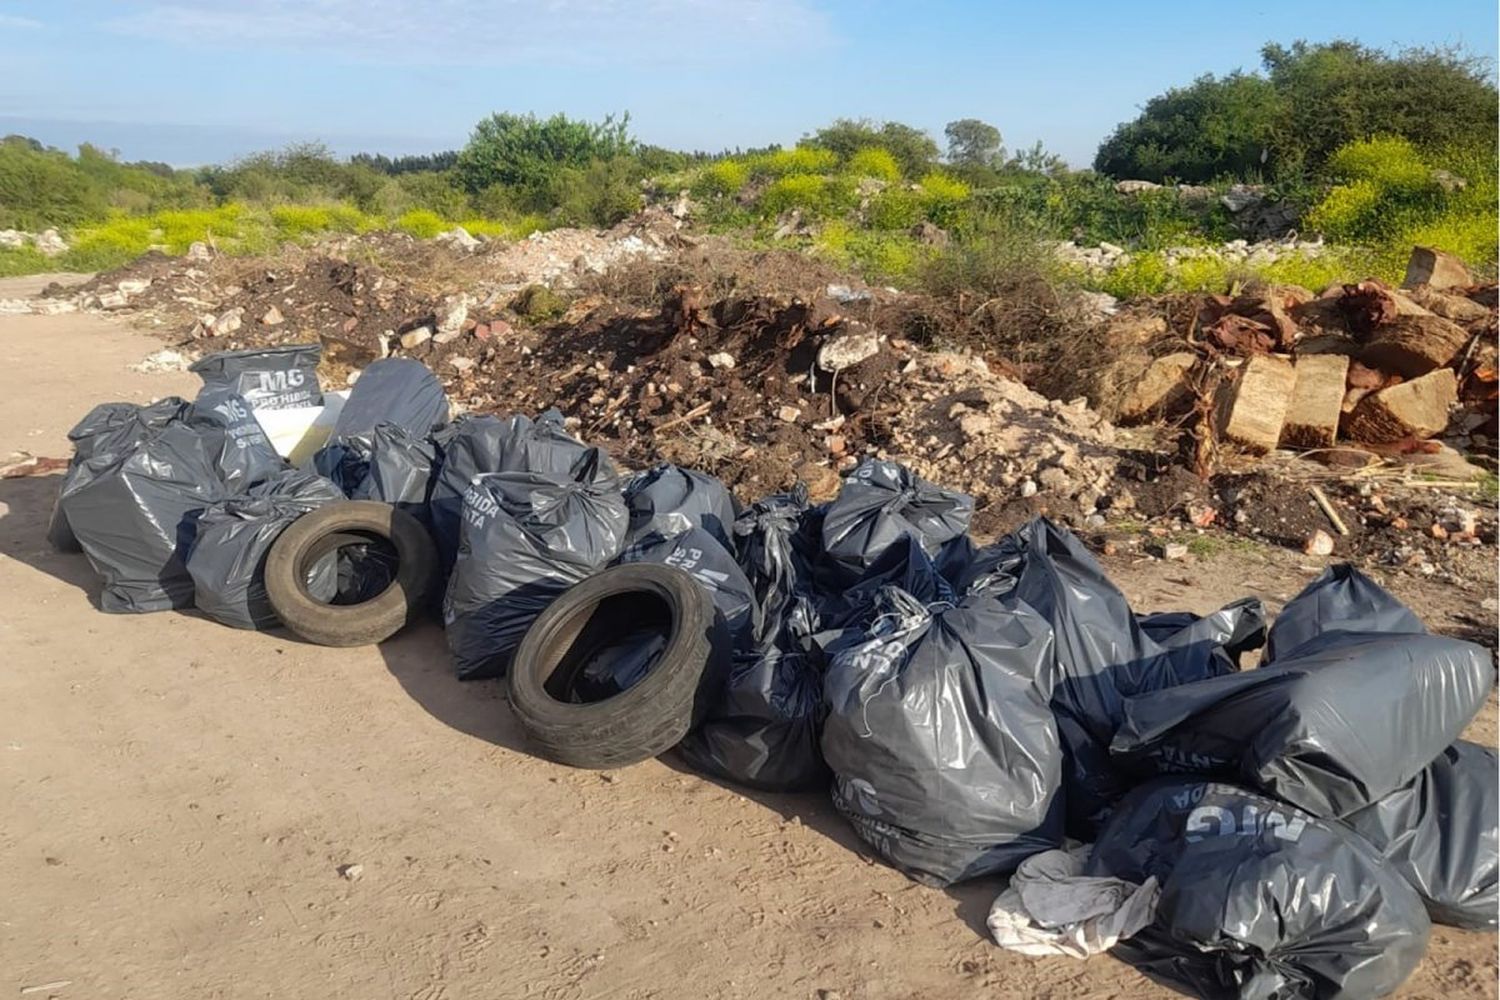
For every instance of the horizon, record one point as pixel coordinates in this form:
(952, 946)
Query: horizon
(148, 78)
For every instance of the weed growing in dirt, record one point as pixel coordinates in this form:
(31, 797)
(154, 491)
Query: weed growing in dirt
(16, 261)
(873, 161)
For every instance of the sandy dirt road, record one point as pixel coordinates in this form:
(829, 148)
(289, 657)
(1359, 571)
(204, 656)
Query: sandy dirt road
(176, 800)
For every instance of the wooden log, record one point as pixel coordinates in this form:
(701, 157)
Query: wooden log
(1312, 419)
(1436, 269)
(1418, 408)
(1162, 387)
(1414, 345)
(1253, 407)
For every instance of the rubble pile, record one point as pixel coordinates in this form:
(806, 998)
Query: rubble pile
(1365, 367)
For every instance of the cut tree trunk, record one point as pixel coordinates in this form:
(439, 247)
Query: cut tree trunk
(1418, 408)
(1312, 419)
(1435, 269)
(1253, 407)
(1414, 345)
(1161, 389)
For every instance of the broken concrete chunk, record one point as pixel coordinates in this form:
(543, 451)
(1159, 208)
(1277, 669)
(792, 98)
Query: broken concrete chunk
(1162, 387)
(1414, 345)
(273, 317)
(848, 349)
(1312, 419)
(723, 359)
(1418, 408)
(1253, 408)
(415, 338)
(1436, 269)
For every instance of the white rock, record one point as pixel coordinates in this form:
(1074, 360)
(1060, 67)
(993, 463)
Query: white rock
(1319, 543)
(790, 414)
(1174, 550)
(229, 321)
(721, 360)
(459, 237)
(112, 300)
(164, 360)
(199, 253)
(50, 243)
(848, 349)
(273, 317)
(1028, 487)
(415, 338)
(451, 315)
(134, 286)
(462, 364)
(12, 238)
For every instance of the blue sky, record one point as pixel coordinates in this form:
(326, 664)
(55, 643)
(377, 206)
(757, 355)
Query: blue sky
(191, 81)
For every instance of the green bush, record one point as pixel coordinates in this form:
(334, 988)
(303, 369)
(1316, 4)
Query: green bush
(808, 192)
(421, 223)
(896, 208)
(873, 161)
(23, 260)
(724, 178)
(600, 194)
(794, 162)
(943, 197)
(527, 152)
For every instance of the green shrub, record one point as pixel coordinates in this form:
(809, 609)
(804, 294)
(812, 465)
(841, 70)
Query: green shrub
(873, 161)
(600, 194)
(808, 192)
(794, 162)
(942, 197)
(724, 178)
(23, 260)
(895, 208)
(421, 223)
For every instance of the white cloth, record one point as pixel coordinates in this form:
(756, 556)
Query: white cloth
(1052, 908)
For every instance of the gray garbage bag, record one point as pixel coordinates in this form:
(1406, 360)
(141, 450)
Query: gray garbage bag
(477, 445)
(1102, 654)
(269, 378)
(1237, 628)
(134, 514)
(666, 501)
(777, 540)
(1259, 900)
(398, 391)
(1341, 600)
(239, 447)
(698, 553)
(107, 429)
(526, 538)
(390, 464)
(879, 504)
(943, 747)
(904, 564)
(1440, 831)
(228, 556)
(763, 725)
(1331, 730)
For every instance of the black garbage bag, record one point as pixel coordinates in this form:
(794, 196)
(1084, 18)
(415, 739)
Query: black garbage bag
(1102, 654)
(666, 501)
(526, 538)
(234, 439)
(777, 540)
(228, 556)
(699, 554)
(1259, 900)
(477, 445)
(1341, 600)
(1331, 729)
(398, 391)
(879, 504)
(390, 464)
(269, 378)
(1440, 831)
(107, 429)
(134, 512)
(905, 565)
(1237, 628)
(763, 726)
(943, 747)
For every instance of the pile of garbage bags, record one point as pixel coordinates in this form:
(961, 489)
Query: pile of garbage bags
(1286, 828)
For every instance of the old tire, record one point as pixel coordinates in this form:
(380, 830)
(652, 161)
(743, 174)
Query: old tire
(650, 716)
(318, 532)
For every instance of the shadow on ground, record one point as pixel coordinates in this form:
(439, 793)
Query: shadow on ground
(25, 508)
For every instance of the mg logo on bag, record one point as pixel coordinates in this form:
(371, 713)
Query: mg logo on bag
(272, 382)
(1217, 821)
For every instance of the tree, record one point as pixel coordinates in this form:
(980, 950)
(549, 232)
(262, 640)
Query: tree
(1308, 102)
(912, 148)
(525, 151)
(972, 143)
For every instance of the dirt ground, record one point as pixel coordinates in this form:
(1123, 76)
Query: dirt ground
(177, 800)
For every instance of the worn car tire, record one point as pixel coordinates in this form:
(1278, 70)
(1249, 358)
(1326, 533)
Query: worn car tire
(650, 716)
(318, 532)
